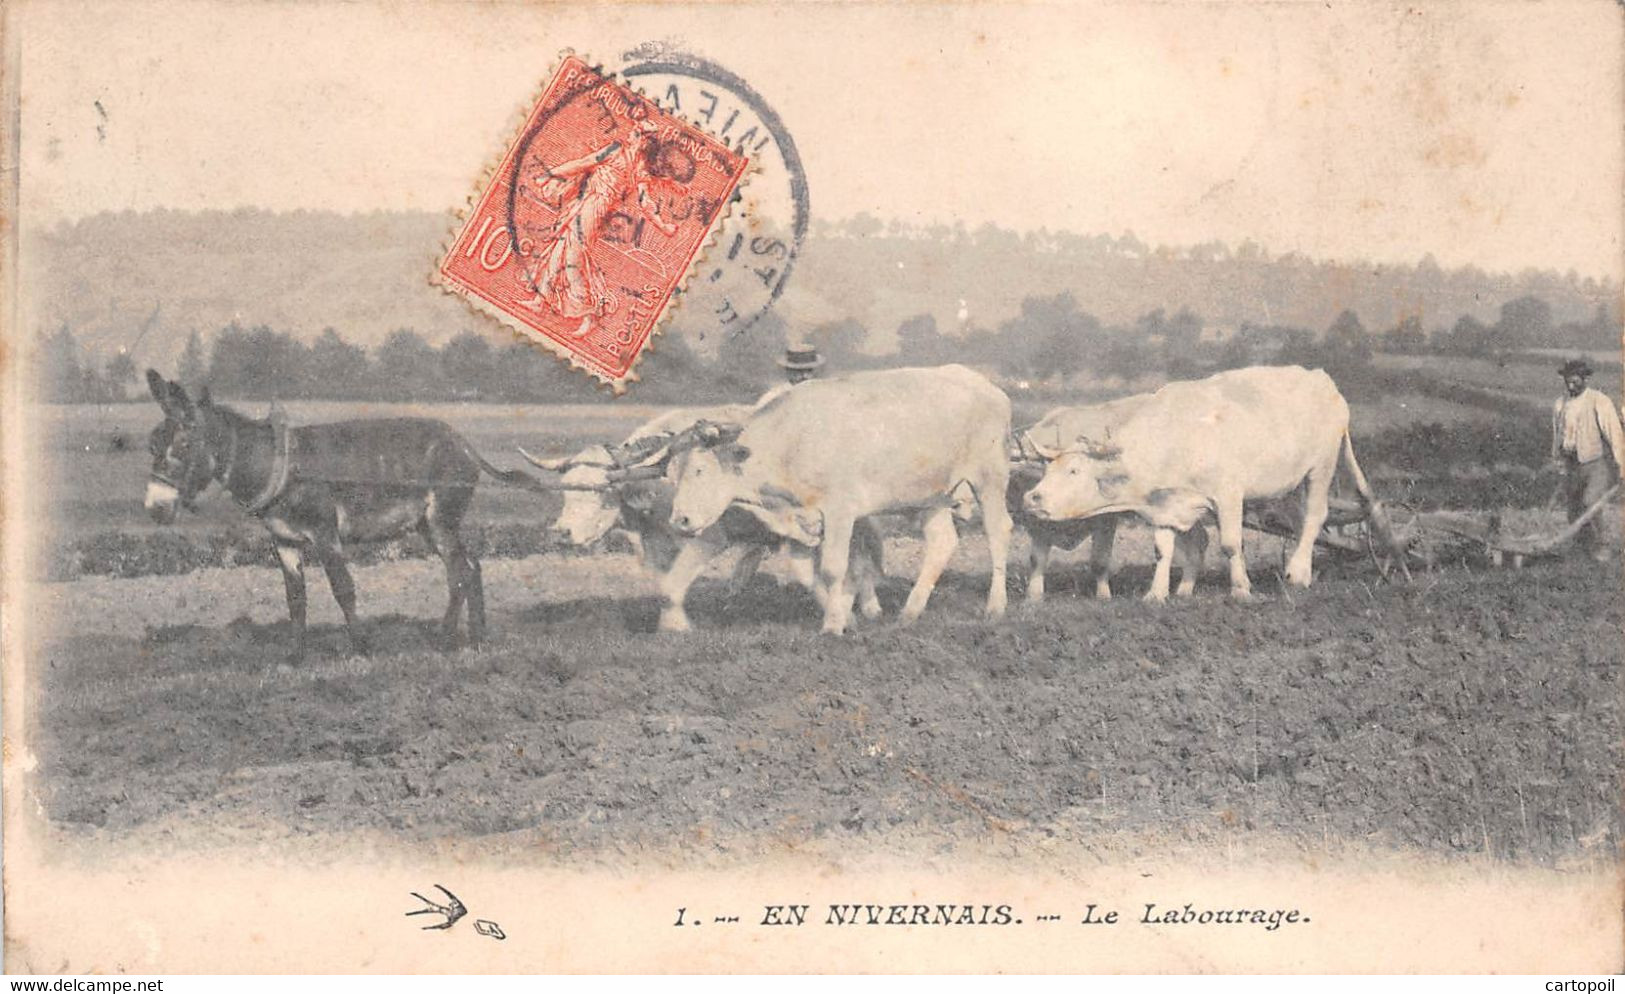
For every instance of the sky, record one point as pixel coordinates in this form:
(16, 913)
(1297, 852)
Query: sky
(1482, 133)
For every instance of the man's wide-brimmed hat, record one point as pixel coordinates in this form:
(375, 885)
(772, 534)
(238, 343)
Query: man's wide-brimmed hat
(801, 357)
(1574, 367)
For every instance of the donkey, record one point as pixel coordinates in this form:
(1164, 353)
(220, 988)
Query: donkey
(316, 488)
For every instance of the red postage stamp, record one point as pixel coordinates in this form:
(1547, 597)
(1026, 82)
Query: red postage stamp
(587, 228)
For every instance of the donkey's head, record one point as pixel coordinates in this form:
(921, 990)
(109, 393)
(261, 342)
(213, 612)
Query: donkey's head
(183, 461)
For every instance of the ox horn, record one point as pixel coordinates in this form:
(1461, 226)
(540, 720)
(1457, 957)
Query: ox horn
(714, 433)
(1099, 450)
(558, 465)
(1022, 449)
(644, 451)
(636, 473)
(1044, 452)
(705, 434)
(689, 438)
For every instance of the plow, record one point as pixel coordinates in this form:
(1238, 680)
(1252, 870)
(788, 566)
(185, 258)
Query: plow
(1425, 539)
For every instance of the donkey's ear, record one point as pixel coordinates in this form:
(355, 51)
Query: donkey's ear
(181, 405)
(159, 387)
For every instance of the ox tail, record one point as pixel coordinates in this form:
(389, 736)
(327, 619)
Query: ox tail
(1381, 525)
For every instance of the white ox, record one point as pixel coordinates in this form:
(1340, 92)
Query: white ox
(643, 507)
(1062, 429)
(1209, 445)
(867, 443)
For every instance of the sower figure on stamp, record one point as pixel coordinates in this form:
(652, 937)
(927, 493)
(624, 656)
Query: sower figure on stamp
(588, 190)
(1589, 446)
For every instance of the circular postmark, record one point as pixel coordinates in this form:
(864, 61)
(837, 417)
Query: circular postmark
(657, 174)
(609, 199)
(757, 246)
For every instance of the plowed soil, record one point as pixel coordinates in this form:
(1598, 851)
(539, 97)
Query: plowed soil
(1463, 712)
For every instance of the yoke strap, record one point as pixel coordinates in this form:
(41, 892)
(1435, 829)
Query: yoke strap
(281, 465)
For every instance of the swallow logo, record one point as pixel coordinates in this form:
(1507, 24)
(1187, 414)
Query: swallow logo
(452, 911)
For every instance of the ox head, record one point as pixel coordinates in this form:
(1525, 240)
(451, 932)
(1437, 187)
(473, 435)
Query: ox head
(1073, 480)
(709, 478)
(1093, 480)
(588, 514)
(183, 461)
(1076, 484)
(599, 490)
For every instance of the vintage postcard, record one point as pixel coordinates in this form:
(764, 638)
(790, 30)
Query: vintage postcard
(756, 487)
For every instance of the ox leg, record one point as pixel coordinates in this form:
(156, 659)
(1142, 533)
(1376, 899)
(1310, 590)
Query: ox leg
(868, 600)
(940, 539)
(1316, 505)
(633, 539)
(804, 571)
(834, 556)
(343, 587)
(692, 558)
(1100, 556)
(864, 570)
(1037, 565)
(291, 558)
(1165, 540)
(996, 522)
(867, 566)
(745, 569)
(1230, 517)
(1190, 548)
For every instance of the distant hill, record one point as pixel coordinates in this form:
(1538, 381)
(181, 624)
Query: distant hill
(364, 274)
(108, 276)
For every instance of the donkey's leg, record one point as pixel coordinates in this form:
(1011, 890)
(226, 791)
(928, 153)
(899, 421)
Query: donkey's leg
(343, 587)
(476, 600)
(456, 583)
(291, 558)
(446, 514)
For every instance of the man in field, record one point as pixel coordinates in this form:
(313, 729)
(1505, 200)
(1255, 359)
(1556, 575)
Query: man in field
(1589, 445)
(800, 364)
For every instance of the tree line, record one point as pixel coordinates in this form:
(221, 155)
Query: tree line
(208, 268)
(1051, 338)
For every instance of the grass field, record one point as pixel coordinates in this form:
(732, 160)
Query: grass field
(1535, 382)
